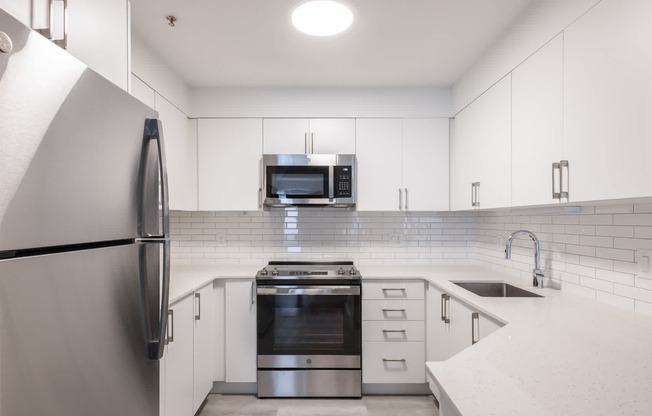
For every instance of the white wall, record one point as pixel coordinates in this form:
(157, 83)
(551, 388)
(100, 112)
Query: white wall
(540, 23)
(321, 102)
(151, 70)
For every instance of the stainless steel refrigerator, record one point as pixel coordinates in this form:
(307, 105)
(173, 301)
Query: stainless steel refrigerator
(84, 251)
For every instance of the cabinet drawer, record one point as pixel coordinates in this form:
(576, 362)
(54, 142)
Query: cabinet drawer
(393, 289)
(393, 310)
(384, 362)
(384, 331)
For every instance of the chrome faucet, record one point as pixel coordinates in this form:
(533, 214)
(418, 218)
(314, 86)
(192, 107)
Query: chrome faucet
(537, 273)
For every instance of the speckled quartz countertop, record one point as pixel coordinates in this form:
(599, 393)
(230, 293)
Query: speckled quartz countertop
(557, 355)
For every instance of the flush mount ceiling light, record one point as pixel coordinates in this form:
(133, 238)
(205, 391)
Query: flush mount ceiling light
(322, 17)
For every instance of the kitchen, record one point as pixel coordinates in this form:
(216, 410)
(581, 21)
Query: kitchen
(558, 83)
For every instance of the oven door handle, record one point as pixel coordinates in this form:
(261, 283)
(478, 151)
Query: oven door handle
(308, 290)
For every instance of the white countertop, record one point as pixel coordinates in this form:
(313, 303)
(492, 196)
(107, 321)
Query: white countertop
(557, 355)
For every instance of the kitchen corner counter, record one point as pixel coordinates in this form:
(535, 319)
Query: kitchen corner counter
(557, 355)
(186, 279)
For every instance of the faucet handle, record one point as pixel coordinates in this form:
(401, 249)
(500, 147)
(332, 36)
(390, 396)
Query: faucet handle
(537, 278)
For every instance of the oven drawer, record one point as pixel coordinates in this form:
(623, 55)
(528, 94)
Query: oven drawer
(393, 310)
(393, 289)
(383, 331)
(385, 362)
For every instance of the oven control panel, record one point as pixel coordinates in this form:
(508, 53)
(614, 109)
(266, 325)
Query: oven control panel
(343, 181)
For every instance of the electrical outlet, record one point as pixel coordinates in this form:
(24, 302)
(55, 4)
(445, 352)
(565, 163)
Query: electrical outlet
(643, 264)
(221, 240)
(396, 239)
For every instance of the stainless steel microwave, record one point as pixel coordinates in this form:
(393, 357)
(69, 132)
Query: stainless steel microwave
(309, 180)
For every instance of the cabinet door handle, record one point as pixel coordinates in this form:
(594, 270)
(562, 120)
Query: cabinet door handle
(253, 292)
(170, 337)
(563, 164)
(388, 360)
(305, 142)
(394, 330)
(400, 199)
(406, 199)
(475, 317)
(475, 194)
(556, 167)
(49, 31)
(444, 308)
(198, 303)
(312, 143)
(260, 198)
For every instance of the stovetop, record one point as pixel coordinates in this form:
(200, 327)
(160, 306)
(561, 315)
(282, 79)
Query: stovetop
(308, 272)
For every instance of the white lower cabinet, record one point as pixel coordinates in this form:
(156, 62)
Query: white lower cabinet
(240, 331)
(188, 366)
(452, 325)
(393, 337)
(179, 360)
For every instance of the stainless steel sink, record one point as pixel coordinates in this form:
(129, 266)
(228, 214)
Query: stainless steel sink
(496, 290)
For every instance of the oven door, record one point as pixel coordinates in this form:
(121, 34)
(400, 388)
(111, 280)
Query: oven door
(298, 185)
(309, 326)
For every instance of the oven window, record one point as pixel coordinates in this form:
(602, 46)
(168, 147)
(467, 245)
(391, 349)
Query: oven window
(308, 324)
(293, 182)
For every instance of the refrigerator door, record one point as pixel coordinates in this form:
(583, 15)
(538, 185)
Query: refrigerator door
(70, 148)
(71, 335)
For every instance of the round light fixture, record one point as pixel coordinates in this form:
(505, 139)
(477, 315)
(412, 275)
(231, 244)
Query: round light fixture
(322, 17)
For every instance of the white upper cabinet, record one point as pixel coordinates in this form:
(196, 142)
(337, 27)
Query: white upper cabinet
(98, 31)
(180, 138)
(379, 164)
(537, 130)
(425, 164)
(607, 106)
(482, 149)
(230, 154)
(305, 136)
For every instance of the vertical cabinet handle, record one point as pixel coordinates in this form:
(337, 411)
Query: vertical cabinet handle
(400, 199)
(198, 305)
(445, 301)
(475, 318)
(49, 31)
(475, 194)
(305, 142)
(312, 143)
(560, 191)
(253, 293)
(406, 199)
(170, 337)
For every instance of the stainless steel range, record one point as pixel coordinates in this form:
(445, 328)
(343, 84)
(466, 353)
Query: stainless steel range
(309, 330)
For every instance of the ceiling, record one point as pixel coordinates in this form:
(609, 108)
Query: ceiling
(391, 42)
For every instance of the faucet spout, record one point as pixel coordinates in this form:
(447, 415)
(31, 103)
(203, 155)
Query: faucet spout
(537, 273)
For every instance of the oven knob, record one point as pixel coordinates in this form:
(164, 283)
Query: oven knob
(263, 272)
(353, 271)
(341, 271)
(275, 272)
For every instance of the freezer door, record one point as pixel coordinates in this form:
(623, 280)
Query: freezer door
(71, 335)
(70, 149)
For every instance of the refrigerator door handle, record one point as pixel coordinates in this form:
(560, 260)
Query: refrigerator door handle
(154, 337)
(153, 132)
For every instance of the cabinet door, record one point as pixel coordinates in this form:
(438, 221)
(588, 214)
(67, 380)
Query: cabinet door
(31, 13)
(460, 327)
(332, 136)
(537, 88)
(464, 170)
(229, 164)
(437, 335)
(285, 136)
(607, 106)
(179, 360)
(204, 344)
(425, 164)
(181, 153)
(240, 329)
(380, 164)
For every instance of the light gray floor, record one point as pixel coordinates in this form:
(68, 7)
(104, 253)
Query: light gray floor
(248, 405)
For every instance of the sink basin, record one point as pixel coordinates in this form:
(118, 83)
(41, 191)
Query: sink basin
(496, 290)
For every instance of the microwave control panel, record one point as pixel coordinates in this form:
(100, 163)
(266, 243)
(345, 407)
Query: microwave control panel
(343, 181)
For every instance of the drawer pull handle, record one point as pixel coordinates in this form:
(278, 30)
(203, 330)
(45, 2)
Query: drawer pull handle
(445, 301)
(475, 317)
(387, 360)
(394, 330)
(393, 310)
(402, 289)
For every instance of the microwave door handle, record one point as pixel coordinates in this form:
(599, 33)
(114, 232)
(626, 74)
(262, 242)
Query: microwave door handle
(331, 182)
